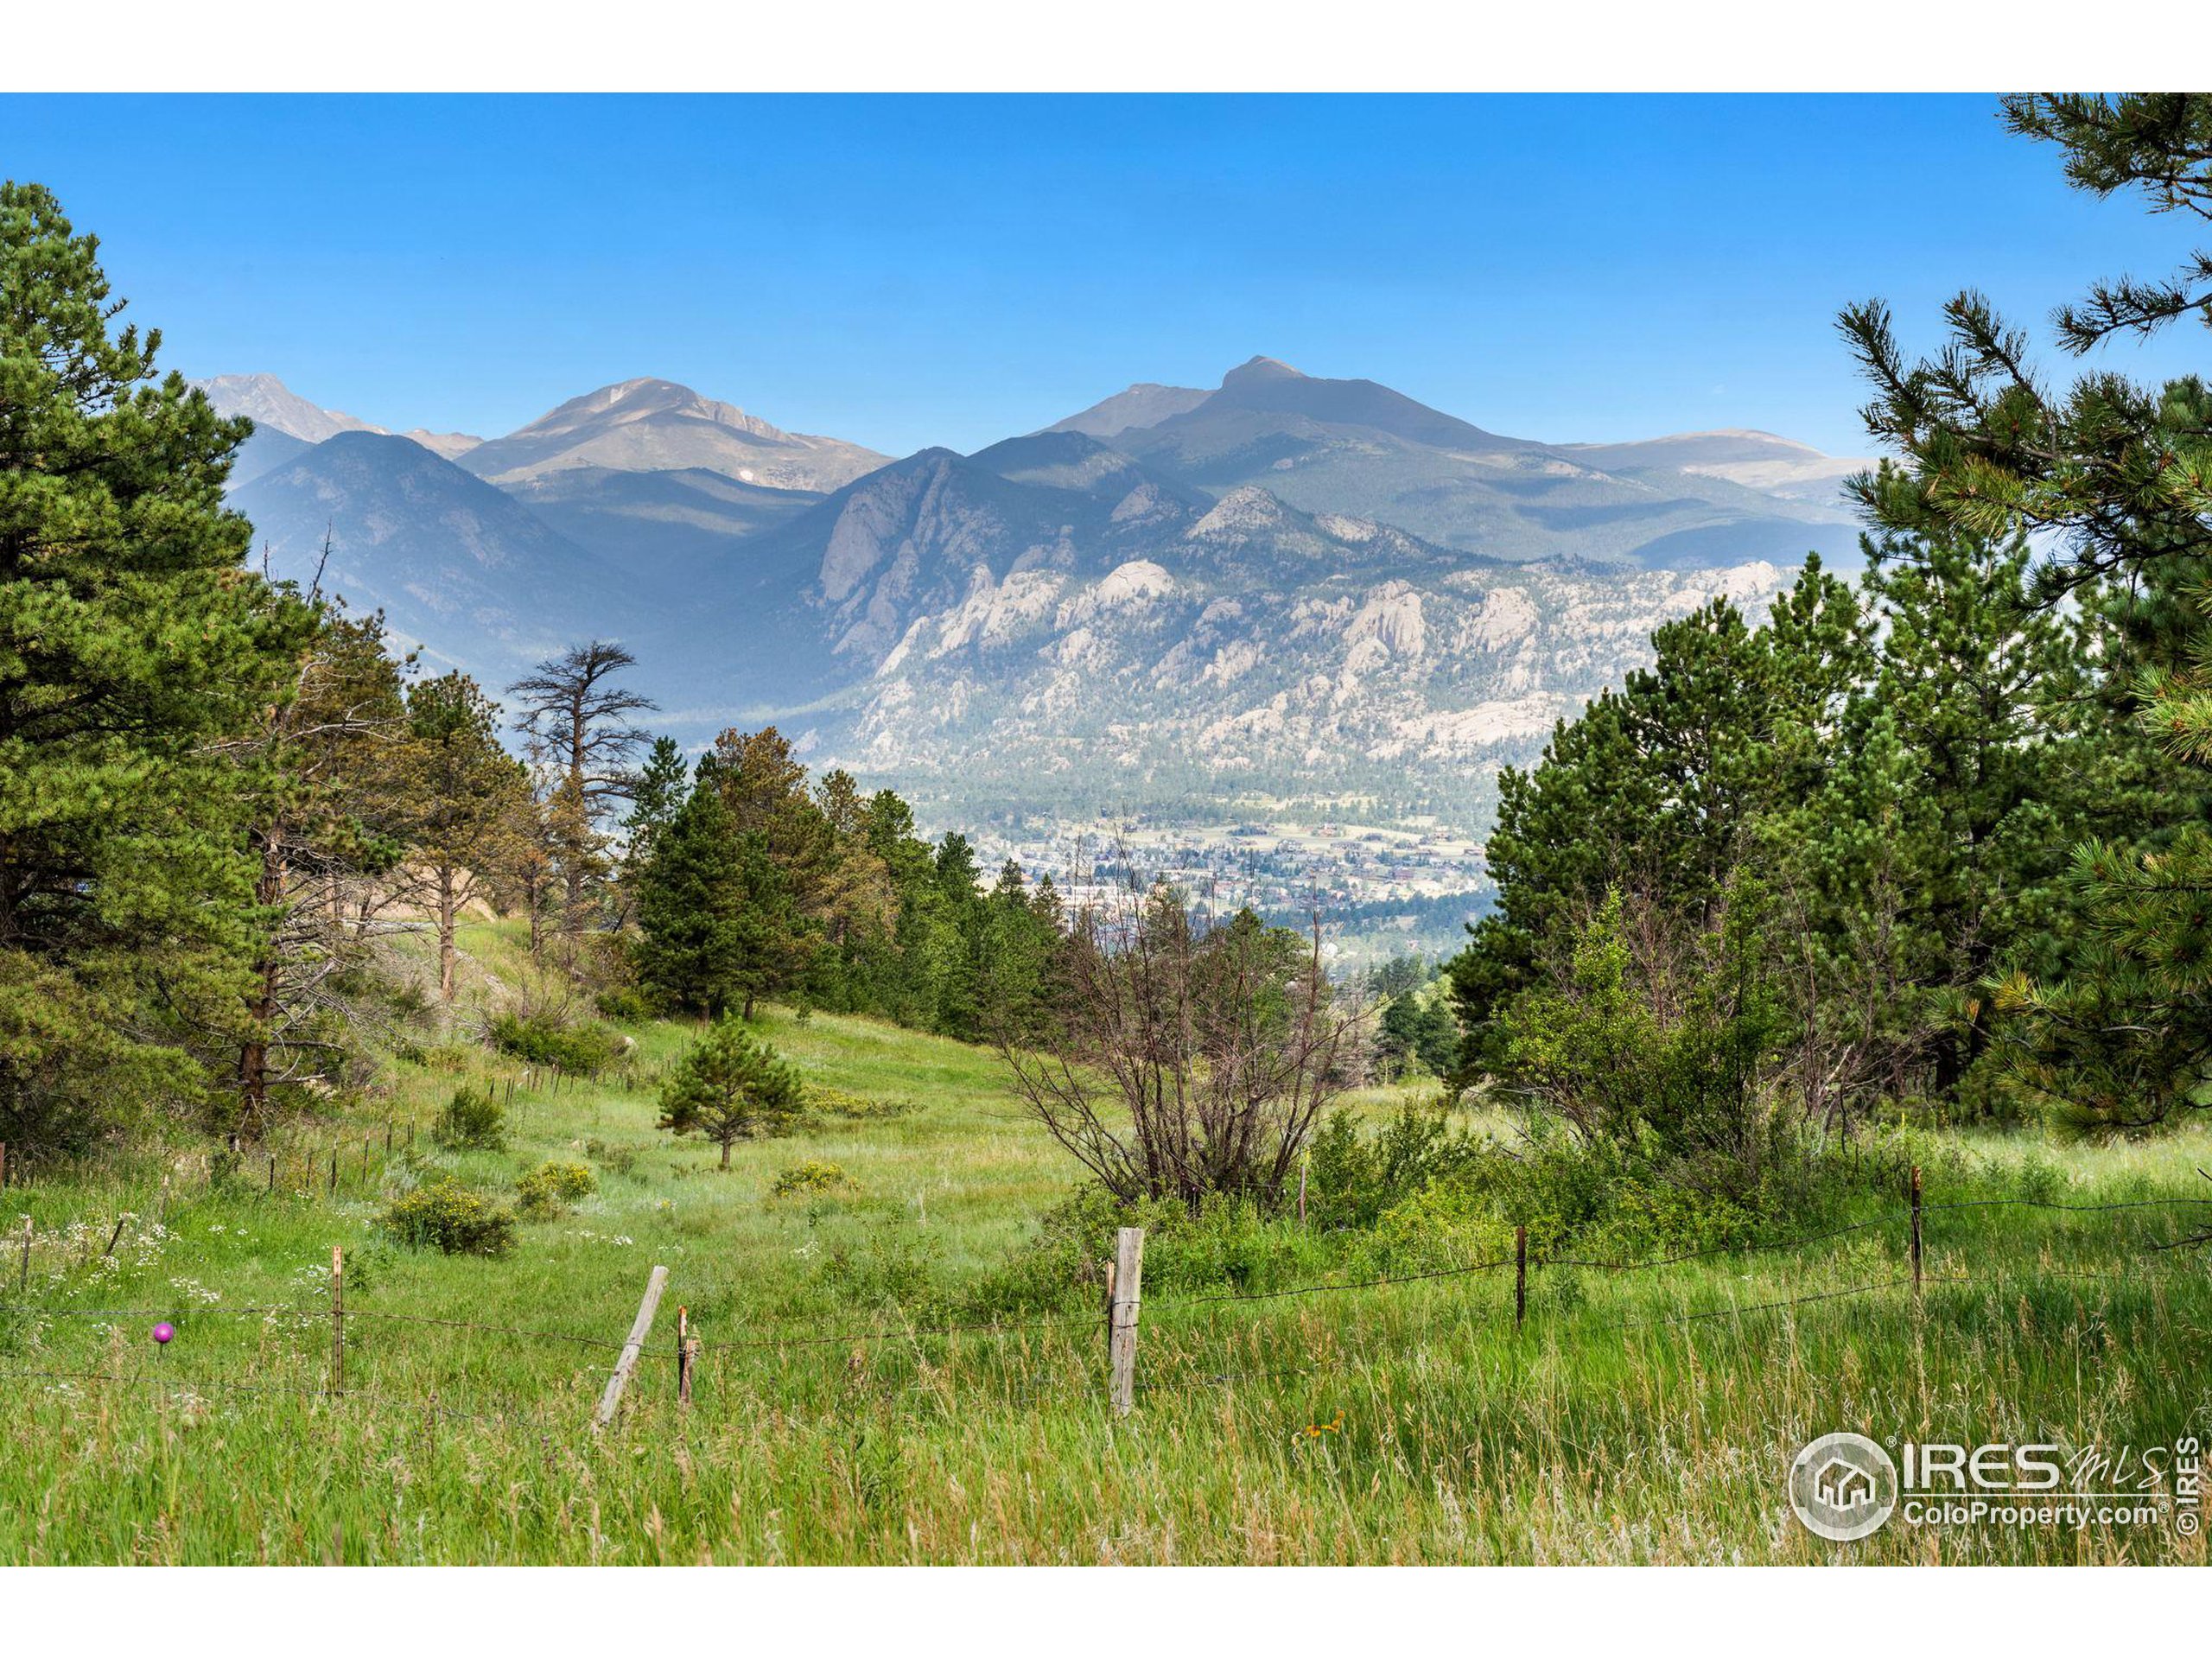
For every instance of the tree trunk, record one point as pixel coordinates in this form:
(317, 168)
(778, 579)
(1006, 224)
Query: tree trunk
(253, 1056)
(726, 1145)
(572, 907)
(446, 908)
(261, 1006)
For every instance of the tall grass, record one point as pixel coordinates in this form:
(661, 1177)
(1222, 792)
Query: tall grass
(1635, 1417)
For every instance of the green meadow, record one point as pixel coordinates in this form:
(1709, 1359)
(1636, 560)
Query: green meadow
(861, 1396)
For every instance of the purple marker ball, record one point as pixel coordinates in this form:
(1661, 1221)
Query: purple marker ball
(163, 1333)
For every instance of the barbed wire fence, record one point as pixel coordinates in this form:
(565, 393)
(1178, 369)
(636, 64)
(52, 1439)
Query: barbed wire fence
(1120, 1318)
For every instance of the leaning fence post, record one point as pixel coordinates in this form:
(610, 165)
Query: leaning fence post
(1520, 1276)
(1129, 1284)
(639, 1329)
(1915, 1229)
(337, 1319)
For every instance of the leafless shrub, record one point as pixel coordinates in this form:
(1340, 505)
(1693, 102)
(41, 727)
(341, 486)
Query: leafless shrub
(1179, 1060)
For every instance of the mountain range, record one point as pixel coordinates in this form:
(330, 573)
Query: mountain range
(1284, 589)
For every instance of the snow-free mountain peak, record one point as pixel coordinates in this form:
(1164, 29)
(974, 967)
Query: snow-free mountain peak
(1255, 368)
(1146, 404)
(272, 405)
(451, 445)
(653, 425)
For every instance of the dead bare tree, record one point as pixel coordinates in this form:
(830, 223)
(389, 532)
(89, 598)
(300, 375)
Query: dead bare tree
(575, 720)
(1182, 1062)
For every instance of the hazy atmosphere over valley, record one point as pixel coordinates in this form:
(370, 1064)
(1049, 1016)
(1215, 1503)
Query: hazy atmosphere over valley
(1284, 602)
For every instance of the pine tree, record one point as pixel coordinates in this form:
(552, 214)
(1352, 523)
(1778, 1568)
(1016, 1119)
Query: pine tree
(326, 836)
(729, 1087)
(956, 941)
(791, 858)
(691, 896)
(859, 907)
(2118, 476)
(528, 879)
(1014, 952)
(470, 793)
(136, 653)
(777, 941)
(1659, 790)
(662, 784)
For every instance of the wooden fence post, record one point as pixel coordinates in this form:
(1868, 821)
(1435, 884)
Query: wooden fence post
(1520, 1276)
(337, 1319)
(639, 1329)
(3, 1165)
(683, 1355)
(1915, 1229)
(24, 1283)
(1129, 1285)
(272, 1172)
(333, 1172)
(1301, 1195)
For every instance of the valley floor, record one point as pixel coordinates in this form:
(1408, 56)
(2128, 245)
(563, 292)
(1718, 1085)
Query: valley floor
(1635, 1417)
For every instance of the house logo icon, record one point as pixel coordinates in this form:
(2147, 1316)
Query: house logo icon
(1843, 1487)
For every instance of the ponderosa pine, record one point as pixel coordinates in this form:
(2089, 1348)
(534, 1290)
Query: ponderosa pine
(137, 652)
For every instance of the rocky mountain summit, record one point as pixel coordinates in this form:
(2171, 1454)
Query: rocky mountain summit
(1285, 587)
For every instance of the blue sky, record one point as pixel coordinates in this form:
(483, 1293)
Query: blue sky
(909, 271)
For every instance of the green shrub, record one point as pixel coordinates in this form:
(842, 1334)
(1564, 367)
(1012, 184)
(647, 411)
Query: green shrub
(549, 1190)
(579, 1050)
(889, 1268)
(619, 1161)
(815, 1175)
(432, 1057)
(841, 1103)
(448, 1217)
(1229, 1245)
(1352, 1178)
(625, 1003)
(471, 1122)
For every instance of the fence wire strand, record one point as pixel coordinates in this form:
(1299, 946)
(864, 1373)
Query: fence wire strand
(1161, 1308)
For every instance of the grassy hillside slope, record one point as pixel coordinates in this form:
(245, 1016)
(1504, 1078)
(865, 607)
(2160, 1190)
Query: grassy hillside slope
(1645, 1416)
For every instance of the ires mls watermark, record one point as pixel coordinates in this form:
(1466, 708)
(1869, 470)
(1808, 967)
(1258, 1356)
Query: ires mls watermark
(1845, 1487)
